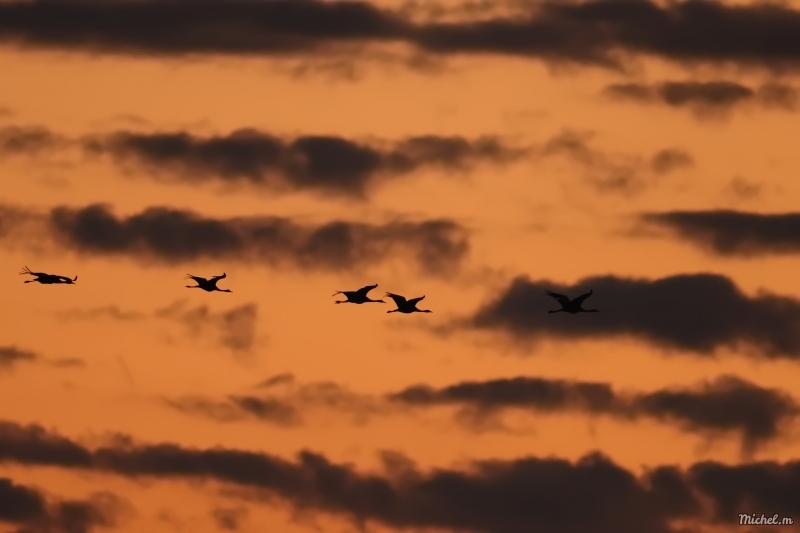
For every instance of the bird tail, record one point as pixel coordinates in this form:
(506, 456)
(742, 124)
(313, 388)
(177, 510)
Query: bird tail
(25, 270)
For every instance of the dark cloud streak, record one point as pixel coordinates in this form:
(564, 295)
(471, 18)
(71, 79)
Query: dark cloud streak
(706, 98)
(732, 233)
(328, 164)
(493, 496)
(11, 355)
(598, 32)
(437, 247)
(724, 404)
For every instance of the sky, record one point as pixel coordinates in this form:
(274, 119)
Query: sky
(477, 153)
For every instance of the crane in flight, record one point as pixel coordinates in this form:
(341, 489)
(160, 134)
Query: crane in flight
(208, 285)
(47, 279)
(406, 306)
(357, 297)
(571, 306)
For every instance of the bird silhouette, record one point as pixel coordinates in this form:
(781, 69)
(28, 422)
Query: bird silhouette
(208, 285)
(406, 306)
(47, 279)
(357, 297)
(571, 306)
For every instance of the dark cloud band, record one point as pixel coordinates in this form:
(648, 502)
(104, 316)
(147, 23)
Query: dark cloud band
(597, 32)
(437, 247)
(733, 233)
(725, 404)
(498, 496)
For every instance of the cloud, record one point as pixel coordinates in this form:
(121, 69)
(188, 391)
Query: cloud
(668, 160)
(27, 507)
(277, 379)
(491, 496)
(238, 408)
(15, 140)
(713, 408)
(612, 172)
(68, 362)
(706, 98)
(722, 405)
(695, 313)
(286, 408)
(109, 311)
(327, 164)
(731, 233)
(229, 519)
(741, 189)
(727, 403)
(11, 355)
(436, 247)
(236, 326)
(335, 166)
(33, 445)
(596, 32)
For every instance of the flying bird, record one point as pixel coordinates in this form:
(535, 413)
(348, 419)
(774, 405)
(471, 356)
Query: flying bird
(47, 279)
(208, 285)
(406, 306)
(357, 297)
(571, 306)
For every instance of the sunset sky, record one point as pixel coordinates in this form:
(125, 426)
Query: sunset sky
(476, 153)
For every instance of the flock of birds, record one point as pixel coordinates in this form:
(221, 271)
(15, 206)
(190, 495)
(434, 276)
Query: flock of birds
(352, 297)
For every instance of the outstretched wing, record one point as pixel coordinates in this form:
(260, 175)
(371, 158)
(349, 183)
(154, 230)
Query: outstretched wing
(579, 300)
(198, 279)
(562, 299)
(398, 300)
(216, 278)
(364, 290)
(413, 301)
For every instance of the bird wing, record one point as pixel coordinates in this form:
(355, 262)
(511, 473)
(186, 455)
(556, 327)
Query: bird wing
(579, 300)
(198, 279)
(215, 278)
(65, 279)
(562, 299)
(364, 290)
(398, 300)
(413, 301)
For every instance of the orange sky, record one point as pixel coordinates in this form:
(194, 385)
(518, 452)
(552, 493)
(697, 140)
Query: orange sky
(538, 216)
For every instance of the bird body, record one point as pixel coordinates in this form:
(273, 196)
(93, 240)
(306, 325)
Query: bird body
(357, 297)
(48, 279)
(208, 285)
(571, 306)
(406, 306)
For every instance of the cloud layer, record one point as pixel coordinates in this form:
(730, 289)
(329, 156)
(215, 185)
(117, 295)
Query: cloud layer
(724, 404)
(28, 508)
(713, 408)
(437, 247)
(598, 32)
(706, 98)
(328, 164)
(498, 496)
(11, 355)
(732, 233)
(697, 313)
